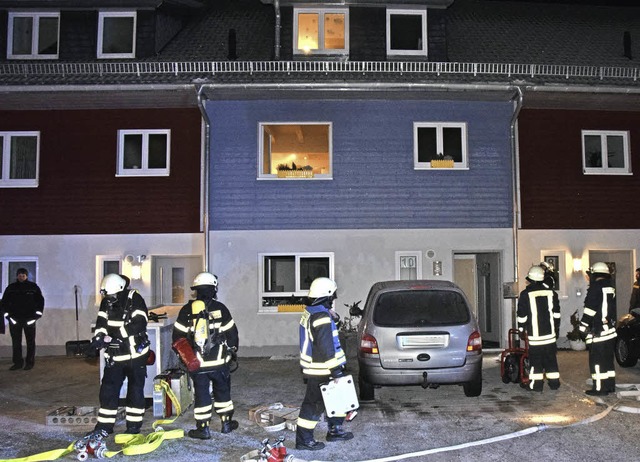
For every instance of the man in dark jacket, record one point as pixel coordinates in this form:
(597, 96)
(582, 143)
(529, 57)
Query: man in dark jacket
(23, 305)
(634, 302)
(121, 330)
(539, 317)
(211, 335)
(321, 359)
(598, 326)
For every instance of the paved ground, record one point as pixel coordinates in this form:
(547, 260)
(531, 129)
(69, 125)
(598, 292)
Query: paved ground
(403, 420)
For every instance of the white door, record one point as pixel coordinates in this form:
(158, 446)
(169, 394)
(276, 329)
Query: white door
(172, 278)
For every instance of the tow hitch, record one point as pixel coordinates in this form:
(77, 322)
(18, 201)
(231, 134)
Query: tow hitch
(424, 383)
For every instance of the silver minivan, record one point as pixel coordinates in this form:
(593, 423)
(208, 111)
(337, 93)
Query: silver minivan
(418, 333)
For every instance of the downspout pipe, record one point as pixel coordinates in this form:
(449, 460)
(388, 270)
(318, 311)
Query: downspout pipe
(276, 46)
(204, 168)
(515, 188)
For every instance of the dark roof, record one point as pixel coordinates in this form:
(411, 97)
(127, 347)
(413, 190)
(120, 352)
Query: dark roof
(550, 49)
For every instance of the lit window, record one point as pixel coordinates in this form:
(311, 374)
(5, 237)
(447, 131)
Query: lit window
(406, 32)
(439, 145)
(33, 35)
(19, 159)
(10, 265)
(286, 279)
(605, 152)
(321, 31)
(295, 150)
(117, 34)
(143, 152)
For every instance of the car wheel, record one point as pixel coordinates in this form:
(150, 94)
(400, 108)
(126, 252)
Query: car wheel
(623, 353)
(367, 392)
(473, 388)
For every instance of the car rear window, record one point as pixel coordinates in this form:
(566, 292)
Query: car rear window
(420, 308)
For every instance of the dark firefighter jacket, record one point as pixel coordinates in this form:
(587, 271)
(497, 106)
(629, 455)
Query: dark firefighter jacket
(600, 314)
(320, 350)
(23, 302)
(223, 334)
(634, 302)
(125, 321)
(539, 314)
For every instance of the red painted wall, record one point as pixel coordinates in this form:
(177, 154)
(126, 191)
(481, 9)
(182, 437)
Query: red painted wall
(555, 194)
(78, 191)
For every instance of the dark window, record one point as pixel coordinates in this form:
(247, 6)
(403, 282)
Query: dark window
(416, 308)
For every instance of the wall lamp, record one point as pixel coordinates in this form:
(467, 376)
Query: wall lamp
(136, 265)
(577, 265)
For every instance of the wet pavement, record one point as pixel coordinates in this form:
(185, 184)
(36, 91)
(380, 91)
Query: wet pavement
(404, 423)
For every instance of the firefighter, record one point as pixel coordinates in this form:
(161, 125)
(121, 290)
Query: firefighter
(321, 359)
(539, 316)
(598, 327)
(121, 330)
(213, 337)
(549, 279)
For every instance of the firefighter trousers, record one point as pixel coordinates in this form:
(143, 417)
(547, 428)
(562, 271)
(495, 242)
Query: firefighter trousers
(601, 365)
(112, 380)
(311, 409)
(543, 360)
(220, 381)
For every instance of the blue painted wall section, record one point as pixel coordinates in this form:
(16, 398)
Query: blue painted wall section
(374, 183)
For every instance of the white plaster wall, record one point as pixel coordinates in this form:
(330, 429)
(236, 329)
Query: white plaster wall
(575, 244)
(361, 258)
(70, 260)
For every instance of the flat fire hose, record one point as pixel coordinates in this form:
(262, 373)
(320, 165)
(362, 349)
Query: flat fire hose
(132, 444)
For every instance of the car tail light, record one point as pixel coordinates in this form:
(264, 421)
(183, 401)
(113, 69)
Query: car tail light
(369, 344)
(475, 342)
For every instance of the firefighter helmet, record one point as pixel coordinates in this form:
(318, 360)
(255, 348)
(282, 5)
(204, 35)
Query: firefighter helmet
(112, 284)
(205, 279)
(322, 288)
(536, 274)
(600, 267)
(546, 266)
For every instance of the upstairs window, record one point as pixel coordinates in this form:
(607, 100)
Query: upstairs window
(441, 145)
(143, 152)
(117, 34)
(605, 152)
(406, 32)
(295, 150)
(321, 31)
(286, 279)
(33, 35)
(19, 159)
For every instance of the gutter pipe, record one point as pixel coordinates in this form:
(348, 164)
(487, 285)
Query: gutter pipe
(204, 169)
(276, 45)
(515, 165)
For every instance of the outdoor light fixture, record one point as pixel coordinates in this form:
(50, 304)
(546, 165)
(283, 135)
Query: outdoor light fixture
(577, 265)
(437, 268)
(136, 265)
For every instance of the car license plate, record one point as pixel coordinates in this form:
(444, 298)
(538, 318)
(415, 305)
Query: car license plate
(432, 341)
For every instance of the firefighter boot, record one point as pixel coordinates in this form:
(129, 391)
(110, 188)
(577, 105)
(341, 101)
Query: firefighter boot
(337, 433)
(201, 431)
(228, 425)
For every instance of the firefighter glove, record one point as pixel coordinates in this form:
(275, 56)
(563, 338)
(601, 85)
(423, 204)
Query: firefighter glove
(337, 372)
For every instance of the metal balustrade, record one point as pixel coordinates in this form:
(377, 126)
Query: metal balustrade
(314, 67)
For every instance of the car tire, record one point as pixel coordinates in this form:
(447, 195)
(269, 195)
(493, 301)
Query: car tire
(623, 353)
(473, 388)
(367, 392)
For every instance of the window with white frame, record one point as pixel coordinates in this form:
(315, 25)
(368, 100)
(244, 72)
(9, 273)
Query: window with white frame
(408, 265)
(406, 32)
(143, 152)
(10, 265)
(19, 159)
(440, 145)
(286, 278)
(116, 34)
(321, 31)
(605, 152)
(33, 35)
(295, 150)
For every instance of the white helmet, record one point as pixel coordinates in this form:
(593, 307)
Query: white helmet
(322, 287)
(546, 266)
(205, 279)
(536, 274)
(112, 284)
(600, 267)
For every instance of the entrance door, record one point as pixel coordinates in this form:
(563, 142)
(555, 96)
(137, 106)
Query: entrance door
(172, 278)
(623, 273)
(478, 274)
